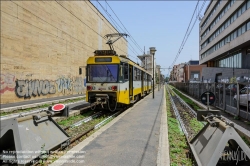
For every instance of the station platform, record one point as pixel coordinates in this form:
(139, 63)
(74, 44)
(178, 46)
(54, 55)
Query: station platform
(138, 136)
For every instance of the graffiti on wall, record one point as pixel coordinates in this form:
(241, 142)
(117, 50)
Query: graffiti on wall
(7, 83)
(64, 85)
(27, 89)
(70, 85)
(79, 84)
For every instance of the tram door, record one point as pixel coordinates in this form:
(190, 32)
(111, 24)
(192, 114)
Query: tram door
(147, 82)
(142, 82)
(130, 80)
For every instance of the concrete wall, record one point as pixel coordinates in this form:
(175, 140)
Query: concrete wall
(43, 44)
(209, 74)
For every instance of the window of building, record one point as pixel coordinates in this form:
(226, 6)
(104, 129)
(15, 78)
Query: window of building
(235, 16)
(239, 12)
(235, 34)
(230, 61)
(234, 58)
(237, 60)
(222, 43)
(229, 38)
(243, 9)
(232, 36)
(243, 29)
(248, 4)
(232, 2)
(222, 28)
(239, 31)
(232, 19)
(240, 60)
(248, 26)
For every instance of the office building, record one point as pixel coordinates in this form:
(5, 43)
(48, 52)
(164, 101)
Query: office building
(225, 40)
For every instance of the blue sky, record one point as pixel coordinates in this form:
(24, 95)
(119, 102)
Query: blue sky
(160, 24)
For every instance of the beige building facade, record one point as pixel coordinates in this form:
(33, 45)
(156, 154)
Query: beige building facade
(45, 44)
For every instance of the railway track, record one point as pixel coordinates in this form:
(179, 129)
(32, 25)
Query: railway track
(185, 114)
(25, 113)
(80, 129)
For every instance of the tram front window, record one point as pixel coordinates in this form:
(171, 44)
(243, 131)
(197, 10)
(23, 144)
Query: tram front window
(102, 73)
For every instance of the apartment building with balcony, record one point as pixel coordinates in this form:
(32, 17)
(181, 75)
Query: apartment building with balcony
(147, 63)
(173, 73)
(180, 72)
(225, 40)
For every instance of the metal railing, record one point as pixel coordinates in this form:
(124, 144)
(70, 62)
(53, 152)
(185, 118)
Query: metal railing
(233, 98)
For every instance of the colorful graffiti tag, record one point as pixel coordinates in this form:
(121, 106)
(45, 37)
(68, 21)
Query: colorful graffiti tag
(66, 86)
(26, 88)
(7, 83)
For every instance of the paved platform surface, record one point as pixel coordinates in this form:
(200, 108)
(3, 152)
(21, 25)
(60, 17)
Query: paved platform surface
(132, 140)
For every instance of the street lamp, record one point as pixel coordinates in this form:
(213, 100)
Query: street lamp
(152, 51)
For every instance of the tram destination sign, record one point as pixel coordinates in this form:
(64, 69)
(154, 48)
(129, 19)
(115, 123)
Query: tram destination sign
(104, 52)
(207, 98)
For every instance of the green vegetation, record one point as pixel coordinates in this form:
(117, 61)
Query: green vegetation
(177, 142)
(73, 119)
(195, 125)
(236, 117)
(42, 106)
(187, 100)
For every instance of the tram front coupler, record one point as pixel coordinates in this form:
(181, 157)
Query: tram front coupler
(102, 98)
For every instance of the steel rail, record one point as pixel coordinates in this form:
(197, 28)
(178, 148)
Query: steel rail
(177, 115)
(105, 120)
(25, 113)
(183, 127)
(186, 105)
(91, 128)
(85, 120)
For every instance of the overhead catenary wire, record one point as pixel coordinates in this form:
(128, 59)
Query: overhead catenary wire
(125, 28)
(188, 32)
(87, 25)
(119, 29)
(197, 17)
(108, 25)
(181, 47)
(116, 24)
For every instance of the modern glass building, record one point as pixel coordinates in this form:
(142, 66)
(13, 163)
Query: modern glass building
(225, 35)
